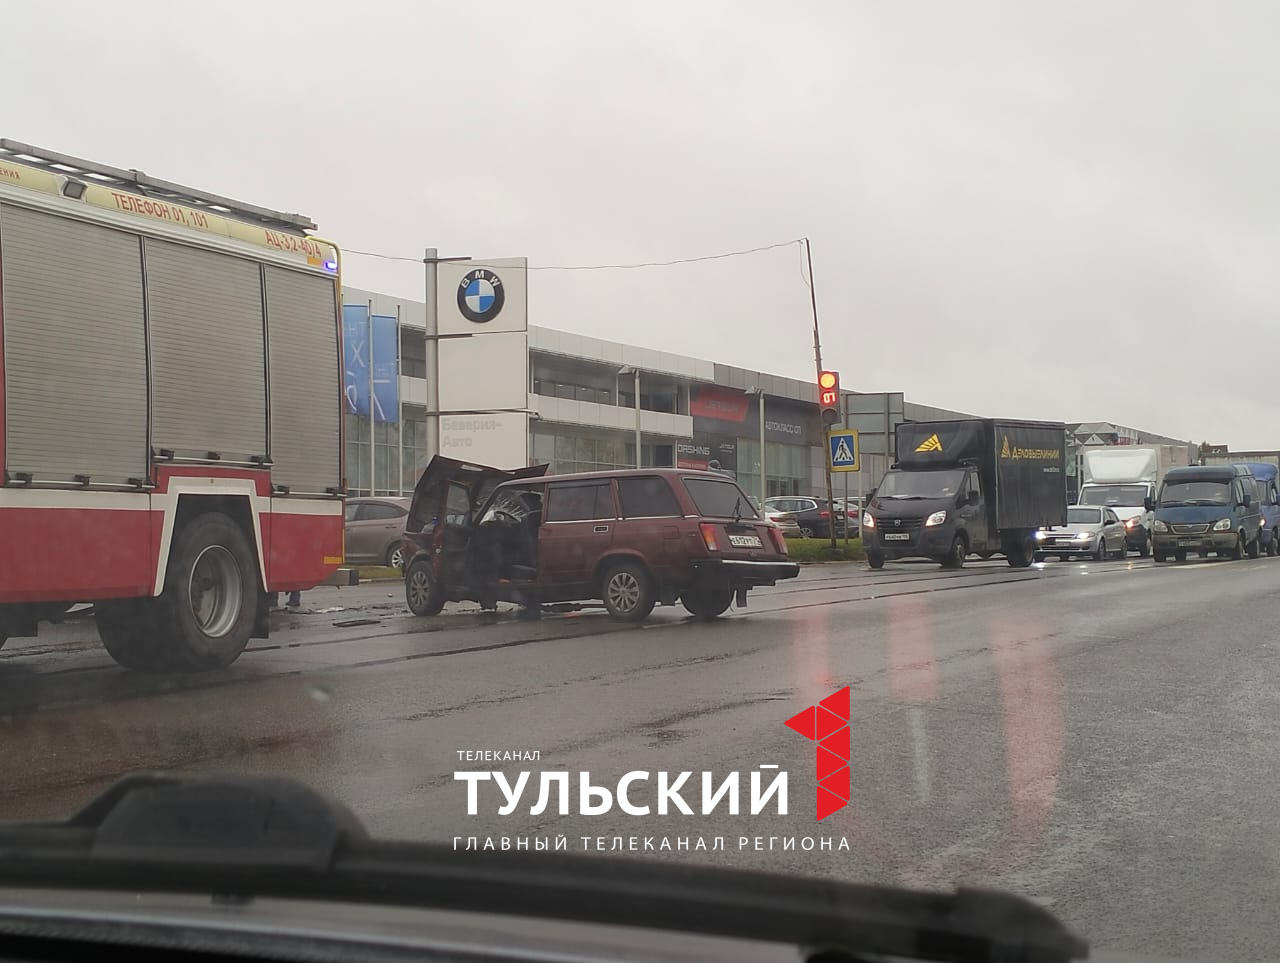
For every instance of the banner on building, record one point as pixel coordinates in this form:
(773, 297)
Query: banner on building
(371, 355)
(699, 453)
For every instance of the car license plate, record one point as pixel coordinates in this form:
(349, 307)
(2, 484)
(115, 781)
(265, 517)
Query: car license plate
(744, 541)
(897, 536)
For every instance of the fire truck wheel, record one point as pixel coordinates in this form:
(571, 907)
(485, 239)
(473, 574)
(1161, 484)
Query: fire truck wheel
(131, 635)
(210, 593)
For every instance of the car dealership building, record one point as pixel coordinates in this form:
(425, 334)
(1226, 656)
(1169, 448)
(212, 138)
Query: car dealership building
(584, 411)
(580, 403)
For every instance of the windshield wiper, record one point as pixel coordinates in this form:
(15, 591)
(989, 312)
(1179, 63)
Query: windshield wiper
(266, 837)
(737, 509)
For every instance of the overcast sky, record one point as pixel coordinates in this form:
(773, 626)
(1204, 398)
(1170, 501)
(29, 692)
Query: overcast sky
(1065, 211)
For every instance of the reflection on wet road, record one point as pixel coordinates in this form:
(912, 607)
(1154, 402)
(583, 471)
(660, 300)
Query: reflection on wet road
(1101, 736)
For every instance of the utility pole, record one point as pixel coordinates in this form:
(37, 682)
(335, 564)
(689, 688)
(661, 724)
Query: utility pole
(817, 361)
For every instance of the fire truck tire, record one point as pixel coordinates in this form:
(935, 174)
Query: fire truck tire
(131, 635)
(210, 594)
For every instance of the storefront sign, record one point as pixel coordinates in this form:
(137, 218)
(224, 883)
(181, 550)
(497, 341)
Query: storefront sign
(699, 453)
(784, 430)
(719, 404)
(725, 413)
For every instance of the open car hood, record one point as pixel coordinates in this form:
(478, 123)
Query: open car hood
(479, 479)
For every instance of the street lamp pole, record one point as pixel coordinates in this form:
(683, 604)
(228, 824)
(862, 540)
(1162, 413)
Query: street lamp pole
(763, 474)
(635, 372)
(758, 393)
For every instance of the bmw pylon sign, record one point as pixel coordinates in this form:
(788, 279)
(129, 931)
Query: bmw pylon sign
(480, 295)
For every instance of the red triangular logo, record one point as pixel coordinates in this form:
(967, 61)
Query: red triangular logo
(837, 783)
(828, 762)
(829, 803)
(838, 742)
(838, 702)
(828, 722)
(804, 722)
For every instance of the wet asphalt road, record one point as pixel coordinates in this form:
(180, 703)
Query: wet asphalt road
(1104, 737)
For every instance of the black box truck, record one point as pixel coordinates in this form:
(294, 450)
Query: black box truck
(980, 486)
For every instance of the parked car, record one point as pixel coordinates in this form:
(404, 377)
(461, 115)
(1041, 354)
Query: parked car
(1091, 530)
(852, 507)
(785, 521)
(375, 530)
(814, 520)
(629, 540)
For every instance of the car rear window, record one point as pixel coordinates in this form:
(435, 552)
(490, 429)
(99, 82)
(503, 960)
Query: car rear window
(580, 502)
(647, 497)
(719, 499)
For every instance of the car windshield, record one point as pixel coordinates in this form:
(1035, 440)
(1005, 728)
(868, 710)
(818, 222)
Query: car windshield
(719, 499)
(1084, 516)
(1177, 493)
(1113, 495)
(921, 484)
(511, 504)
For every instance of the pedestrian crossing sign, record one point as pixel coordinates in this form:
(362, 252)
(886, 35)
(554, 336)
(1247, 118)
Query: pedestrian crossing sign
(842, 447)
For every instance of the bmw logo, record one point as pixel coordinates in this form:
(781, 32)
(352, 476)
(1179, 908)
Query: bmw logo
(480, 295)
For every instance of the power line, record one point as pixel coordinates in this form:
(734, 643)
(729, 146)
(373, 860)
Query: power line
(603, 267)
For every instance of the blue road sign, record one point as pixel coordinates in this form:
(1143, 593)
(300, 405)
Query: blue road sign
(842, 447)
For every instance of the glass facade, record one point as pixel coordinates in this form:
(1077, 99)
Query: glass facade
(787, 468)
(388, 479)
(567, 450)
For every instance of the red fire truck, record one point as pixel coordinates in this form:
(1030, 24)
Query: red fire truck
(170, 409)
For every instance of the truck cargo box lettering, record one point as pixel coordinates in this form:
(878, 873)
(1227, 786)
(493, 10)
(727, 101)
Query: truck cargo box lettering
(1037, 454)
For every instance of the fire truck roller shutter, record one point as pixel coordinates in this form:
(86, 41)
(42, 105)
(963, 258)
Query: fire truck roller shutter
(302, 325)
(208, 352)
(75, 349)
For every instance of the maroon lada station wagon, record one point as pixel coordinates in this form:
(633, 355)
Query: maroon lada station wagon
(628, 539)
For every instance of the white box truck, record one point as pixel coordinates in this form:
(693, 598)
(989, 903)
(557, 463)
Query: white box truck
(1123, 477)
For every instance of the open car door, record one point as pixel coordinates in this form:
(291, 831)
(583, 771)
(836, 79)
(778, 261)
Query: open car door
(431, 502)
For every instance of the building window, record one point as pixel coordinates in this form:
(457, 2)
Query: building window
(571, 391)
(413, 353)
(787, 469)
(567, 451)
(388, 478)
